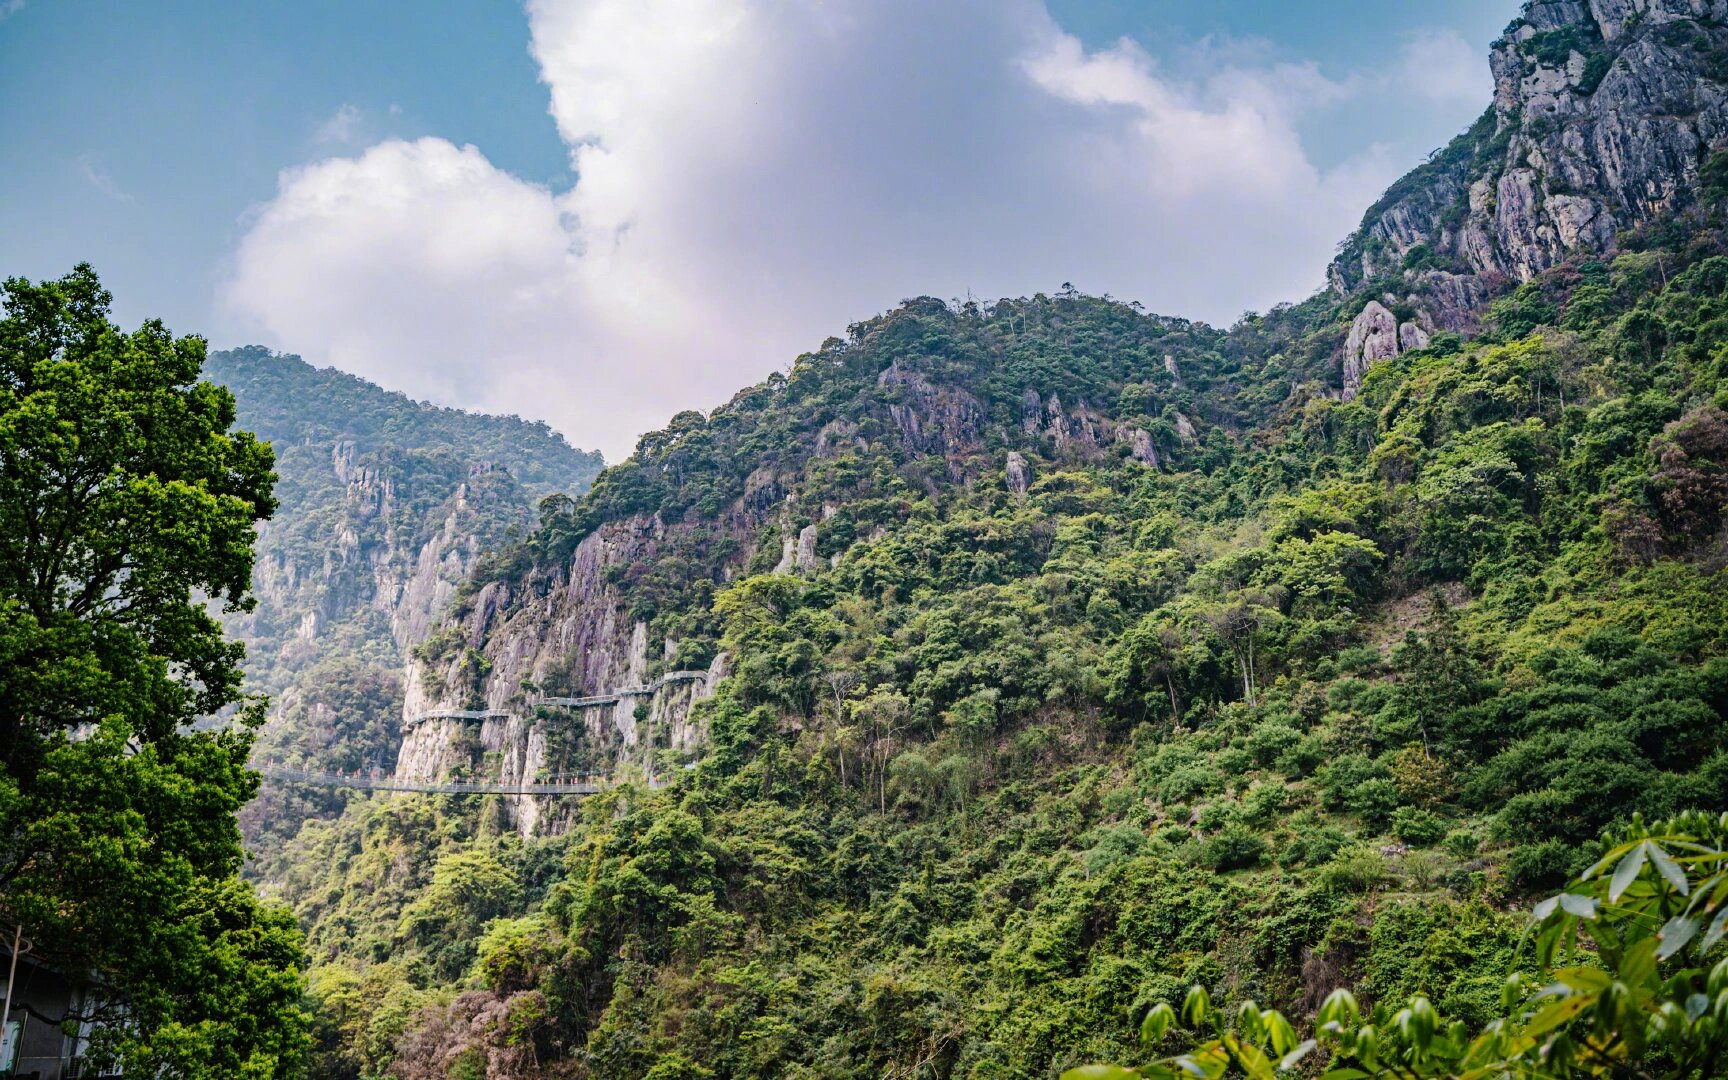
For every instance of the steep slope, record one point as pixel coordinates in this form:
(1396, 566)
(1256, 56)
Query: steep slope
(1604, 115)
(386, 507)
(1057, 657)
(615, 591)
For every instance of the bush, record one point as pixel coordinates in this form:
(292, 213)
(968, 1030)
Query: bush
(1271, 741)
(1214, 817)
(1418, 828)
(1314, 846)
(1374, 801)
(1263, 802)
(1357, 868)
(1188, 782)
(1544, 865)
(1462, 843)
(1303, 757)
(1236, 848)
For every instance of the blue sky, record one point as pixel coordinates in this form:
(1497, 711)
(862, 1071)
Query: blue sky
(598, 212)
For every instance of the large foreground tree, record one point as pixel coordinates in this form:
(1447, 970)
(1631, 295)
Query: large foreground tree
(127, 510)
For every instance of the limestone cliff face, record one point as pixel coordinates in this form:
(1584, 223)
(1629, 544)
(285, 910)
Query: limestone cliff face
(378, 557)
(1603, 113)
(365, 568)
(1376, 335)
(386, 507)
(551, 677)
(551, 674)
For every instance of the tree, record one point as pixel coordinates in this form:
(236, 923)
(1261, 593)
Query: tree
(126, 513)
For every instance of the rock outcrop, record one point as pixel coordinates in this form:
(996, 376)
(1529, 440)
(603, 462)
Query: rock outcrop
(1603, 114)
(1376, 335)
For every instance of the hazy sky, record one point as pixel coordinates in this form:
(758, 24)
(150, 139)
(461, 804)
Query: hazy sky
(600, 212)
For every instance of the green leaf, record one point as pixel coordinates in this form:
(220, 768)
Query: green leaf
(1584, 980)
(1197, 1006)
(1157, 1022)
(1295, 1056)
(1627, 871)
(1278, 1031)
(1669, 869)
(1556, 1014)
(1254, 1061)
(1101, 1072)
(1608, 858)
(1340, 1006)
(1582, 906)
(1717, 926)
(1639, 963)
(1674, 935)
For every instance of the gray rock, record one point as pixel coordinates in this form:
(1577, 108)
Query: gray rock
(1373, 338)
(1575, 149)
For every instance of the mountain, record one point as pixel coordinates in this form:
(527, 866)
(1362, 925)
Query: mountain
(1002, 670)
(386, 507)
(1603, 119)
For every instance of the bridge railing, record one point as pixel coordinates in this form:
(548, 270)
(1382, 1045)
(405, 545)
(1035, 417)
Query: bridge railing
(376, 780)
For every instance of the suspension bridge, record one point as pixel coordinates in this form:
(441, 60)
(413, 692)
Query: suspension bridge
(377, 780)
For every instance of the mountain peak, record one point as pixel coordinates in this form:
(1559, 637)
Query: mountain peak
(1604, 115)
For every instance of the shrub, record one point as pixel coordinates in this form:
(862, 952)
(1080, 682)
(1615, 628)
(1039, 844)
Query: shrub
(1264, 800)
(1188, 782)
(1542, 865)
(1357, 868)
(1462, 843)
(1236, 848)
(1340, 780)
(1375, 801)
(1418, 828)
(1314, 846)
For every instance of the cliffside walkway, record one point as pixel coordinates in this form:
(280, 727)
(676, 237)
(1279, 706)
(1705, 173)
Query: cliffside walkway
(563, 702)
(621, 692)
(377, 781)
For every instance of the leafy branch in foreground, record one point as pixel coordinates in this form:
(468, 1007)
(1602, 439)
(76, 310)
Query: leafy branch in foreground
(1626, 988)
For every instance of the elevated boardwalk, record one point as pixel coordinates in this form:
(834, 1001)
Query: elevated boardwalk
(380, 782)
(563, 702)
(622, 692)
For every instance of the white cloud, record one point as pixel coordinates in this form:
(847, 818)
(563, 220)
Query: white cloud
(755, 174)
(1441, 68)
(342, 128)
(93, 172)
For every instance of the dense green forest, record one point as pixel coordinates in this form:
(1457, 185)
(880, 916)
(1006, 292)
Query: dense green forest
(1319, 701)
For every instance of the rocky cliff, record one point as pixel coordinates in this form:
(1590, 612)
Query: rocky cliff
(595, 661)
(1604, 115)
(387, 506)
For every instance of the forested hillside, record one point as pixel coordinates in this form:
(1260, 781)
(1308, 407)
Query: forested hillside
(1058, 734)
(385, 505)
(1079, 656)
